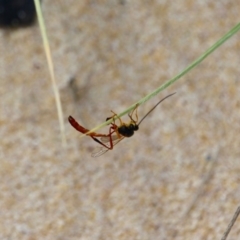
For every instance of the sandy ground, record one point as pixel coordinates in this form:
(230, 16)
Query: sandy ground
(177, 178)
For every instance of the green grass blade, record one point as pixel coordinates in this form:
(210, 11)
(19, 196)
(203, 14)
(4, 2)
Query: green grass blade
(223, 39)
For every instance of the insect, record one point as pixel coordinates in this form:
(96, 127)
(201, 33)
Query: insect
(123, 130)
(108, 141)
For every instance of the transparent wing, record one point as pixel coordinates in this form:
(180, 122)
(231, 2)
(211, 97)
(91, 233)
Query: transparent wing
(97, 152)
(107, 139)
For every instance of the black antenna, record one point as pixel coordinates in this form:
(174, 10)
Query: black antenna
(155, 107)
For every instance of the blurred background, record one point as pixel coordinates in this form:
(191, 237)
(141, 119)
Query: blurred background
(176, 178)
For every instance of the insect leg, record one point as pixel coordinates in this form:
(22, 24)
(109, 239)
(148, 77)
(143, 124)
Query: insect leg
(136, 114)
(112, 129)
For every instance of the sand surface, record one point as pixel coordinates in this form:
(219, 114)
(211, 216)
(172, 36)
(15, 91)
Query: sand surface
(176, 178)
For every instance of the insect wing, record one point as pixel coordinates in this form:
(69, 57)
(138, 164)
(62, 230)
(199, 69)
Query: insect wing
(97, 152)
(107, 139)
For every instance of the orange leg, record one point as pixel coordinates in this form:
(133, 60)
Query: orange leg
(111, 131)
(114, 125)
(93, 135)
(136, 114)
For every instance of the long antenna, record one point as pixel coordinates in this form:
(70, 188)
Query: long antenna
(155, 107)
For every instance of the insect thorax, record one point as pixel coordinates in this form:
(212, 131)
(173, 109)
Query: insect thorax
(128, 130)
